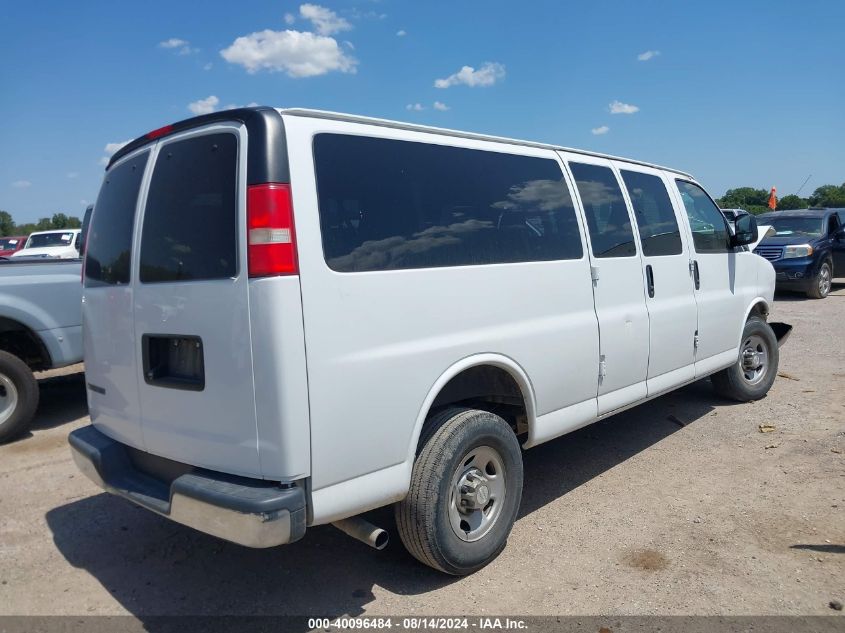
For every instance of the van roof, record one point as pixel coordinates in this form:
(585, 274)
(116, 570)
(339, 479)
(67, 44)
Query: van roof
(399, 125)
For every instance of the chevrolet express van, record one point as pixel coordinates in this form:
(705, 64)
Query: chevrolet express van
(292, 317)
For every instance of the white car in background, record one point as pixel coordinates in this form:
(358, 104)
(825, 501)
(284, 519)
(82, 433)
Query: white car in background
(59, 244)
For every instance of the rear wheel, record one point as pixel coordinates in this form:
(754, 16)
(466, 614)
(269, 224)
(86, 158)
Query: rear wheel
(755, 370)
(820, 286)
(465, 491)
(18, 396)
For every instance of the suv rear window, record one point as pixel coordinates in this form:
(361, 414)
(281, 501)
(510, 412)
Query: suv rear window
(388, 205)
(190, 223)
(109, 250)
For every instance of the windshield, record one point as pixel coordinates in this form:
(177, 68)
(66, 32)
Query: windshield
(7, 243)
(785, 227)
(50, 239)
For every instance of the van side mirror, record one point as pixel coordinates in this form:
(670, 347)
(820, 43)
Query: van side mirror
(746, 230)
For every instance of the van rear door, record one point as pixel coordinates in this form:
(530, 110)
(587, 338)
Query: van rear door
(191, 311)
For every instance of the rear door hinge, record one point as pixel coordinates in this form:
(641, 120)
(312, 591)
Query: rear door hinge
(696, 340)
(594, 273)
(602, 367)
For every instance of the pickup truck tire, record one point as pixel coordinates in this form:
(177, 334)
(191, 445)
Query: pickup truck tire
(18, 396)
(820, 286)
(751, 377)
(466, 486)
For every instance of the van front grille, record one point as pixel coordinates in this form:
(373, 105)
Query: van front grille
(769, 252)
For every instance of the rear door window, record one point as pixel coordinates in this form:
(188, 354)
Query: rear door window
(658, 227)
(387, 205)
(190, 222)
(608, 221)
(109, 250)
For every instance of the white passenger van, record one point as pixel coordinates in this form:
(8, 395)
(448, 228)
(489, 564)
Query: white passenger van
(292, 317)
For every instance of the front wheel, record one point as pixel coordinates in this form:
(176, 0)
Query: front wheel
(18, 396)
(466, 487)
(820, 286)
(751, 377)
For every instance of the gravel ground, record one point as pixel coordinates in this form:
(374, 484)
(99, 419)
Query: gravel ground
(679, 506)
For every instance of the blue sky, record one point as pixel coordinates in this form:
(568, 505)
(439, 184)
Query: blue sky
(738, 93)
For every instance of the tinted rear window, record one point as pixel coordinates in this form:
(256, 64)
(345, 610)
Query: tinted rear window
(387, 205)
(608, 221)
(109, 251)
(190, 223)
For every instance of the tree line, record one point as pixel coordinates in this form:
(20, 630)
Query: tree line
(58, 221)
(757, 200)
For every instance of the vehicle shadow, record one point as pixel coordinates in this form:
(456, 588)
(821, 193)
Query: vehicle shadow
(836, 290)
(62, 399)
(153, 567)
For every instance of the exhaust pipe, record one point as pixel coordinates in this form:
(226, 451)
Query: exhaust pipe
(364, 531)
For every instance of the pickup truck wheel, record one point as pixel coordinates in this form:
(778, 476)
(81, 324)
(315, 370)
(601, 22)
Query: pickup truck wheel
(820, 286)
(755, 370)
(18, 396)
(466, 486)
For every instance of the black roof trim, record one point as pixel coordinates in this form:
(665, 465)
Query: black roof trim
(267, 159)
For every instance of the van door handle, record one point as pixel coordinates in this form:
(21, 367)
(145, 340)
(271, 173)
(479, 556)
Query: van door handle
(695, 275)
(649, 276)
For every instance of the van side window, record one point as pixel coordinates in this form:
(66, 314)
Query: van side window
(387, 204)
(709, 231)
(658, 227)
(190, 222)
(109, 249)
(611, 234)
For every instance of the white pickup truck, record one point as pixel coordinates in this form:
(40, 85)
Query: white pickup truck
(40, 328)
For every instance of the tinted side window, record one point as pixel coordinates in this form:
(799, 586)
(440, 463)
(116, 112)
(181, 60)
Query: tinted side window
(659, 233)
(387, 204)
(109, 250)
(709, 231)
(190, 223)
(607, 216)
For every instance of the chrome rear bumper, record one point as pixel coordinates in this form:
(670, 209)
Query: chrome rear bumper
(250, 512)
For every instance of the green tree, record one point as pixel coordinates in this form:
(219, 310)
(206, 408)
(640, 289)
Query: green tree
(792, 202)
(828, 196)
(744, 198)
(7, 224)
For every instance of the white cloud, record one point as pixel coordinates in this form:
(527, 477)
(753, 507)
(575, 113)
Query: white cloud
(439, 105)
(183, 47)
(204, 106)
(617, 107)
(325, 21)
(415, 107)
(349, 44)
(21, 184)
(73, 174)
(83, 202)
(290, 18)
(208, 66)
(295, 53)
(401, 33)
(602, 129)
(644, 57)
(110, 149)
(487, 75)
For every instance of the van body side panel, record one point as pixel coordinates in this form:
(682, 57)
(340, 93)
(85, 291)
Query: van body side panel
(281, 382)
(377, 341)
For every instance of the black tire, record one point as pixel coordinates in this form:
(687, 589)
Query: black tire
(733, 382)
(423, 517)
(820, 286)
(16, 378)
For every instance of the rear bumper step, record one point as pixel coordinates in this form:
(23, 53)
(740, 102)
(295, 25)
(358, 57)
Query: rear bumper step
(249, 512)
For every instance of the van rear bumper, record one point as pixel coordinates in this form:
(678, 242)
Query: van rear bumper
(250, 512)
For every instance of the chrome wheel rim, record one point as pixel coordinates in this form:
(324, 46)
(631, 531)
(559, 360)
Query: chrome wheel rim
(477, 493)
(754, 359)
(8, 398)
(824, 281)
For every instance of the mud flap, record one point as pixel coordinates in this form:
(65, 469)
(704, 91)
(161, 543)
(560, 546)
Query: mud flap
(782, 332)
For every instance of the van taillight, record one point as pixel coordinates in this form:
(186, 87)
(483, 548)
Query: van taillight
(270, 233)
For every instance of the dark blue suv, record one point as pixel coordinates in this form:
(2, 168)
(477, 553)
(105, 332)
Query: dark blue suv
(807, 248)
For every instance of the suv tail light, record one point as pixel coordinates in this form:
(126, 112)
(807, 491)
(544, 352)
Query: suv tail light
(270, 232)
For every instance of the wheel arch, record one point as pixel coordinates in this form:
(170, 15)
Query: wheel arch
(495, 361)
(24, 342)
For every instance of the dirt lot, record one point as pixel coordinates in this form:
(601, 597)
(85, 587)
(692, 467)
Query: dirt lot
(680, 506)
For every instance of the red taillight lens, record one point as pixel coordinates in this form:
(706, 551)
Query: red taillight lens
(162, 131)
(270, 232)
